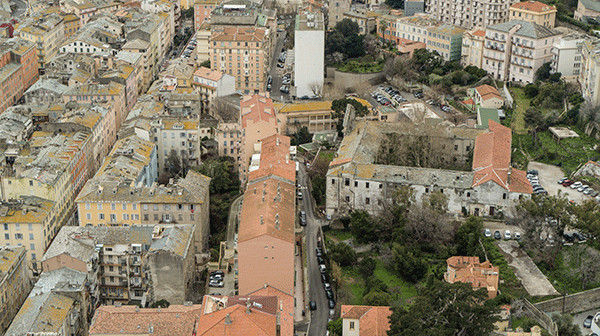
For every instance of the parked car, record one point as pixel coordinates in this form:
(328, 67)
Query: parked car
(487, 233)
(327, 286)
(322, 268)
(321, 261)
(517, 236)
(299, 195)
(329, 294)
(582, 188)
(567, 183)
(588, 191)
(331, 304)
(576, 185)
(562, 180)
(323, 277)
(569, 238)
(497, 235)
(313, 305)
(507, 234)
(532, 171)
(319, 252)
(587, 323)
(280, 65)
(215, 283)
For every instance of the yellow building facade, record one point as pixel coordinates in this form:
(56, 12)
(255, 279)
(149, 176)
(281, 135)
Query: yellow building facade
(15, 283)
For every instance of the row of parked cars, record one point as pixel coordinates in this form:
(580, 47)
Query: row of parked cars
(324, 279)
(216, 279)
(190, 47)
(532, 176)
(582, 188)
(507, 234)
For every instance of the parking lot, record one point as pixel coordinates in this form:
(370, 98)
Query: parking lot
(396, 97)
(578, 321)
(549, 175)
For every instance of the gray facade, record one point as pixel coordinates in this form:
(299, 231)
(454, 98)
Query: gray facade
(414, 6)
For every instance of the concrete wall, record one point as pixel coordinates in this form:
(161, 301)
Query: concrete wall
(575, 303)
(530, 310)
(344, 80)
(171, 276)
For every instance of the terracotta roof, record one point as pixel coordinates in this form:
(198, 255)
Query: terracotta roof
(275, 159)
(372, 320)
(478, 32)
(491, 160)
(268, 210)
(534, 6)
(470, 270)
(285, 306)
(487, 92)
(207, 73)
(175, 320)
(468, 101)
(239, 34)
(257, 108)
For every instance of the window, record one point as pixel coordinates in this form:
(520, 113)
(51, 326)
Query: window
(101, 216)
(347, 198)
(33, 256)
(87, 206)
(32, 247)
(18, 236)
(113, 218)
(367, 200)
(31, 183)
(125, 216)
(468, 194)
(332, 181)
(134, 206)
(146, 217)
(5, 226)
(155, 217)
(504, 196)
(124, 206)
(347, 182)
(113, 206)
(355, 184)
(351, 325)
(167, 207)
(88, 216)
(367, 185)
(7, 236)
(145, 207)
(191, 216)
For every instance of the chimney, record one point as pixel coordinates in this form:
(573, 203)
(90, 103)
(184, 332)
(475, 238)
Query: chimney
(278, 327)
(509, 173)
(248, 311)
(227, 319)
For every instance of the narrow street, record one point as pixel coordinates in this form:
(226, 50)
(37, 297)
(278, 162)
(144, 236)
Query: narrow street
(319, 317)
(276, 72)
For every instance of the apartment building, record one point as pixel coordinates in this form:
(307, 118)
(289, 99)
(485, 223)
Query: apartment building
(587, 9)
(365, 22)
(470, 270)
(18, 70)
(103, 35)
(387, 28)
(57, 305)
(415, 28)
(533, 11)
(259, 121)
(47, 33)
(15, 283)
(315, 115)
(446, 40)
(337, 8)
(94, 93)
(472, 47)
(45, 91)
(202, 43)
(202, 11)
(243, 54)
(590, 68)
(365, 320)
(266, 238)
(514, 50)
(213, 83)
(469, 13)
(115, 203)
(72, 24)
(566, 56)
(309, 56)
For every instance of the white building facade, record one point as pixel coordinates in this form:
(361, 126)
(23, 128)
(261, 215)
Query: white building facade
(309, 65)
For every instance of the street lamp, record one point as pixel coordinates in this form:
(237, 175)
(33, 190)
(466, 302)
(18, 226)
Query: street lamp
(564, 295)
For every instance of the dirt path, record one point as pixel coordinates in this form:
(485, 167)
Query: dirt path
(534, 281)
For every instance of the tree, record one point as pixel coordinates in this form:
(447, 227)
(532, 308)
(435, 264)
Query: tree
(543, 72)
(302, 136)
(467, 238)
(223, 174)
(565, 325)
(374, 284)
(342, 254)
(427, 222)
(531, 90)
(586, 261)
(397, 4)
(173, 164)
(363, 227)
(335, 327)
(344, 38)
(367, 266)
(445, 309)
(205, 64)
(409, 263)
(160, 304)
(316, 88)
(377, 299)
(534, 120)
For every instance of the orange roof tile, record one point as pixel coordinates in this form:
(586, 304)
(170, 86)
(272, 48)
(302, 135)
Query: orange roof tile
(268, 210)
(239, 34)
(275, 159)
(491, 160)
(470, 270)
(372, 320)
(256, 108)
(469, 101)
(478, 32)
(285, 306)
(534, 6)
(175, 320)
(209, 74)
(487, 92)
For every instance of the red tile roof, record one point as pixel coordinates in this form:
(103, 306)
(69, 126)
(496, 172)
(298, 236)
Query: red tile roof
(275, 159)
(373, 321)
(257, 108)
(534, 6)
(491, 160)
(213, 75)
(239, 34)
(285, 306)
(175, 320)
(470, 270)
(235, 321)
(487, 92)
(478, 32)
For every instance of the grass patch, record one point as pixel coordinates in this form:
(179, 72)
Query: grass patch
(340, 235)
(520, 105)
(327, 155)
(358, 66)
(509, 283)
(407, 289)
(564, 276)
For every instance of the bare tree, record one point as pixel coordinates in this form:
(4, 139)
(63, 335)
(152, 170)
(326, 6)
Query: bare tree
(224, 111)
(586, 261)
(427, 222)
(316, 88)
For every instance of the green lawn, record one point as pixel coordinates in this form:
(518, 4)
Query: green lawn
(338, 235)
(407, 289)
(520, 105)
(327, 155)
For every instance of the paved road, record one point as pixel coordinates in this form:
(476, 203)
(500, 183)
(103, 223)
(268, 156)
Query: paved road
(276, 72)
(319, 318)
(549, 174)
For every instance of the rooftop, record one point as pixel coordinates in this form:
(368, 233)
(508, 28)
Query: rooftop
(9, 256)
(275, 160)
(373, 320)
(447, 29)
(257, 108)
(238, 34)
(534, 6)
(525, 29)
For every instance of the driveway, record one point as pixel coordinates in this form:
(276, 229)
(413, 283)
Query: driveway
(549, 175)
(534, 281)
(578, 321)
(319, 317)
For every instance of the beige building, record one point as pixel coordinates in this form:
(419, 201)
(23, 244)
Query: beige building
(203, 43)
(365, 320)
(259, 121)
(590, 70)
(47, 32)
(533, 11)
(415, 28)
(365, 22)
(472, 47)
(587, 9)
(514, 50)
(314, 115)
(446, 40)
(469, 14)
(242, 53)
(337, 8)
(137, 264)
(15, 283)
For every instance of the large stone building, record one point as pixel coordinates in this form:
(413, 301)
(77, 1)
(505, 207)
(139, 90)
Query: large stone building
(472, 47)
(18, 70)
(587, 9)
(514, 50)
(567, 56)
(15, 283)
(469, 13)
(140, 264)
(590, 70)
(360, 177)
(309, 65)
(446, 40)
(533, 11)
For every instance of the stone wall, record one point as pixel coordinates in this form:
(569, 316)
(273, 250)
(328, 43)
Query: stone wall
(524, 307)
(574, 303)
(347, 80)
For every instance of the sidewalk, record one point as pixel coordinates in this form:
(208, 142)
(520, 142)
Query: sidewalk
(298, 288)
